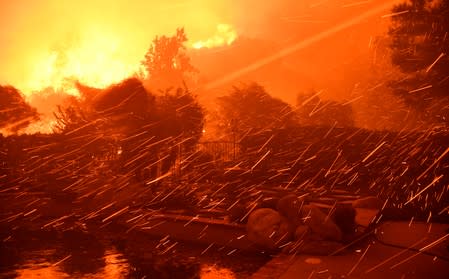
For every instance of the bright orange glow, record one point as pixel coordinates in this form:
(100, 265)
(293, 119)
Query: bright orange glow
(43, 126)
(214, 272)
(288, 46)
(301, 44)
(97, 42)
(98, 60)
(95, 61)
(224, 36)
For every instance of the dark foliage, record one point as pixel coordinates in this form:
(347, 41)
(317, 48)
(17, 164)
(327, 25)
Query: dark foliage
(250, 109)
(312, 111)
(420, 47)
(142, 133)
(15, 113)
(419, 36)
(166, 63)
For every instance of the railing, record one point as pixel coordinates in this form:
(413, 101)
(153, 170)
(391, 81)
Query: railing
(220, 150)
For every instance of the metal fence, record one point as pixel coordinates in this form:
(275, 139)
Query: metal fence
(220, 150)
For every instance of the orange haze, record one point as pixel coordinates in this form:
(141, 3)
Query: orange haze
(50, 43)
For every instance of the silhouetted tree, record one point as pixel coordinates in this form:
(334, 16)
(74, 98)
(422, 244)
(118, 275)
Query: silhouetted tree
(381, 109)
(251, 108)
(180, 114)
(420, 46)
(127, 106)
(166, 63)
(119, 109)
(312, 111)
(419, 36)
(15, 113)
(69, 118)
(145, 127)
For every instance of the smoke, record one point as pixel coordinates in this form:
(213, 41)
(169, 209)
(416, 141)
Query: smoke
(33, 30)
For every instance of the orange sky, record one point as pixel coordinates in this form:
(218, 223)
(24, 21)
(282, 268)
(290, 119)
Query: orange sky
(104, 41)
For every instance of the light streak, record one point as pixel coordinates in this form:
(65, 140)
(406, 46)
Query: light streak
(300, 45)
(435, 180)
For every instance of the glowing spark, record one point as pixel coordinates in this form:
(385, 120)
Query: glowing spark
(436, 242)
(372, 152)
(433, 64)
(229, 208)
(56, 220)
(435, 180)
(311, 274)
(134, 218)
(358, 262)
(333, 163)
(395, 14)
(310, 159)
(228, 254)
(207, 248)
(395, 256)
(249, 212)
(352, 101)
(169, 248)
(265, 144)
(204, 229)
(311, 98)
(434, 163)
(411, 221)
(155, 225)
(61, 261)
(29, 213)
(159, 178)
(420, 89)
(191, 220)
(216, 204)
(260, 160)
(444, 209)
(115, 214)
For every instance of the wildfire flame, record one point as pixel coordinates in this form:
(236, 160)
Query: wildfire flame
(43, 126)
(99, 60)
(96, 61)
(224, 35)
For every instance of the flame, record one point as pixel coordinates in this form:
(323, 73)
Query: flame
(224, 35)
(43, 126)
(95, 61)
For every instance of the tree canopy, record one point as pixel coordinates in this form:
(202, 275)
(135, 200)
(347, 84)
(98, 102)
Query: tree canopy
(251, 108)
(420, 48)
(312, 111)
(166, 63)
(15, 113)
(420, 36)
(143, 126)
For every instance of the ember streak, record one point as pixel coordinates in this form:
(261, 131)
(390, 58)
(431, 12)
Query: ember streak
(224, 139)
